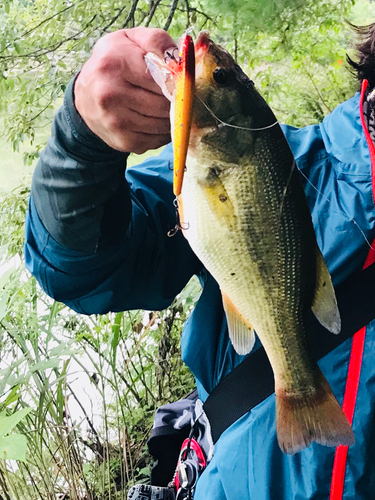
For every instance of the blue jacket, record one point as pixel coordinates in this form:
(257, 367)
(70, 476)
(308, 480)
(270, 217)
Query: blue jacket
(138, 271)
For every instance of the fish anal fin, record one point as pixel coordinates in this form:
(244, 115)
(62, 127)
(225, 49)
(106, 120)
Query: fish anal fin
(324, 305)
(313, 416)
(240, 330)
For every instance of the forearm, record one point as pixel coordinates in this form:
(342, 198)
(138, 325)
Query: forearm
(78, 187)
(96, 240)
(144, 270)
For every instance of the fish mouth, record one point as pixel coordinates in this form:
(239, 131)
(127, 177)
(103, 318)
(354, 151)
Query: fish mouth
(203, 42)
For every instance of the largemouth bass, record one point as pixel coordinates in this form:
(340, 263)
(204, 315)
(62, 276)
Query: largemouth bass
(247, 219)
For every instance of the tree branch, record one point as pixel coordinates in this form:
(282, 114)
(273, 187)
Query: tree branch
(131, 14)
(26, 33)
(170, 15)
(43, 51)
(113, 20)
(153, 6)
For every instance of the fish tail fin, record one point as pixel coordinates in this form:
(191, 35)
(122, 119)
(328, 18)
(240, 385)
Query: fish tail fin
(317, 416)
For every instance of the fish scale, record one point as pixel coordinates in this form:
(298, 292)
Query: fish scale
(249, 223)
(246, 217)
(248, 252)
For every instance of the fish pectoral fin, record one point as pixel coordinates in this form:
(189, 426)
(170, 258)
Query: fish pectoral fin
(324, 305)
(241, 332)
(219, 201)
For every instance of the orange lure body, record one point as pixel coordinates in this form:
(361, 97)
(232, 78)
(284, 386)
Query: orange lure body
(183, 110)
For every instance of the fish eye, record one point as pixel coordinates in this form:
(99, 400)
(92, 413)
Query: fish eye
(221, 76)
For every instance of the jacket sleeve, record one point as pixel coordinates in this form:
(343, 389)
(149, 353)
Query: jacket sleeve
(96, 239)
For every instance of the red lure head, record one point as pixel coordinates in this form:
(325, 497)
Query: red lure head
(187, 57)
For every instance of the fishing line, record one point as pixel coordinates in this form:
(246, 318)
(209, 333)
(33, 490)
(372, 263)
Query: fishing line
(172, 57)
(234, 126)
(291, 173)
(339, 210)
(287, 186)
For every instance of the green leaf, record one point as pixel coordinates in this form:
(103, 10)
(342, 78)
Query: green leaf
(13, 447)
(5, 278)
(12, 396)
(7, 373)
(116, 335)
(44, 365)
(8, 423)
(63, 349)
(3, 304)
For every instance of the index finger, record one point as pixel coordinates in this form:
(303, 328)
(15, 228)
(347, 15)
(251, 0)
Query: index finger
(122, 52)
(151, 39)
(145, 40)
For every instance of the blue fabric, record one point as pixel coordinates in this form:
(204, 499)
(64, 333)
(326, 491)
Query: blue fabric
(137, 273)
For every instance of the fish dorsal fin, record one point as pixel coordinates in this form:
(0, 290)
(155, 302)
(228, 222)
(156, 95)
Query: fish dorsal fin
(219, 201)
(241, 332)
(325, 304)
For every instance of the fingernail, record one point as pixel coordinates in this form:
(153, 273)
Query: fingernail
(171, 54)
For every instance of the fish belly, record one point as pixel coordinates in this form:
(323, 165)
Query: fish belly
(249, 249)
(242, 250)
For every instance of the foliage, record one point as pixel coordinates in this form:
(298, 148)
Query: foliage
(93, 383)
(294, 49)
(13, 446)
(93, 447)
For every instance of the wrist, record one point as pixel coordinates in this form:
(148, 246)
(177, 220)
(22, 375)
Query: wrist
(79, 128)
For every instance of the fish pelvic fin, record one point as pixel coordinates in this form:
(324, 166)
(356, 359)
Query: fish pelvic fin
(324, 305)
(241, 332)
(304, 418)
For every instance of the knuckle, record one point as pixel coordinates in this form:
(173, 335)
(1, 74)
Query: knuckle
(158, 37)
(157, 32)
(105, 96)
(105, 54)
(114, 122)
(107, 64)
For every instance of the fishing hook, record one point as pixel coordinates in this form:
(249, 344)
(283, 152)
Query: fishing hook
(184, 226)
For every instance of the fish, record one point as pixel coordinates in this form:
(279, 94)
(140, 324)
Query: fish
(246, 217)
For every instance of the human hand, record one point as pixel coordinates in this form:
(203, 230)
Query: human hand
(116, 95)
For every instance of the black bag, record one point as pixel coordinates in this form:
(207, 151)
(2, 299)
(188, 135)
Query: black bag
(172, 425)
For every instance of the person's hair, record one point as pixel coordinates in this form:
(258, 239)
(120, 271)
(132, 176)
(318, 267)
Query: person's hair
(365, 67)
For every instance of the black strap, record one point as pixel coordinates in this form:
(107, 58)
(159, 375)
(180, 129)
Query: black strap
(252, 381)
